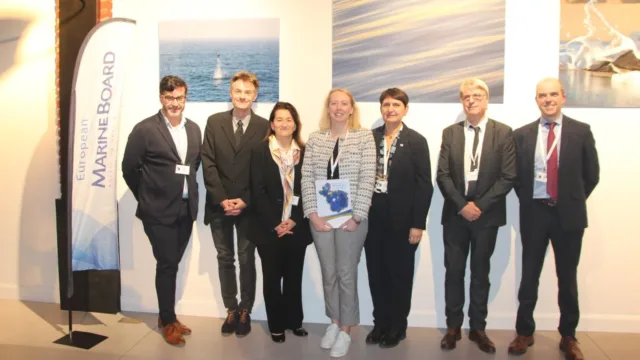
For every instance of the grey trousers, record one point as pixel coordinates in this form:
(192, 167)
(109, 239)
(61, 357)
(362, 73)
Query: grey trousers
(339, 254)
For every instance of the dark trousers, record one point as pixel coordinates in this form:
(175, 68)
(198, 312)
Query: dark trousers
(536, 231)
(390, 265)
(282, 265)
(222, 233)
(459, 236)
(168, 243)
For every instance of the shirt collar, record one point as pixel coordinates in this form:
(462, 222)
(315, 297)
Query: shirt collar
(545, 122)
(245, 120)
(183, 121)
(482, 124)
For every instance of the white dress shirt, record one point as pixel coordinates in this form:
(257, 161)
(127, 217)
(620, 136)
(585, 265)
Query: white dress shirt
(179, 136)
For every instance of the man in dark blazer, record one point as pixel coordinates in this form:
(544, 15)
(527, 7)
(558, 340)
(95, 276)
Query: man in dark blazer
(476, 171)
(398, 217)
(557, 171)
(226, 152)
(160, 162)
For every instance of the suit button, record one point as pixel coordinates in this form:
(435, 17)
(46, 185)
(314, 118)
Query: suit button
(280, 200)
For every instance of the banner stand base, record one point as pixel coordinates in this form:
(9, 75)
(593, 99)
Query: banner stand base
(81, 339)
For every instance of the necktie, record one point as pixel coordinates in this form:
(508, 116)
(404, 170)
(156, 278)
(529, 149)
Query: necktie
(239, 132)
(471, 189)
(552, 165)
(476, 138)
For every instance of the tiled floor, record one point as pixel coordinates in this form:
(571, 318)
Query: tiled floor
(29, 329)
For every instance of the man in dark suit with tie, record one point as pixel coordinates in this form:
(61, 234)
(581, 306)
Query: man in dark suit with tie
(160, 162)
(476, 170)
(557, 171)
(228, 141)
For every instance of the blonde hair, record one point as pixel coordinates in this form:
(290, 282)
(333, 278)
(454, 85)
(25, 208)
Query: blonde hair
(245, 76)
(354, 119)
(474, 84)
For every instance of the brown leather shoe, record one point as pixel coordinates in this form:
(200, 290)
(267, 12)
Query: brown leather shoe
(172, 335)
(449, 340)
(484, 343)
(569, 346)
(184, 330)
(520, 344)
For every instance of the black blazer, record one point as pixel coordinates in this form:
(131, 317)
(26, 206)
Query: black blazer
(496, 177)
(149, 169)
(267, 196)
(409, 182)
(578, 171)
(225, 167)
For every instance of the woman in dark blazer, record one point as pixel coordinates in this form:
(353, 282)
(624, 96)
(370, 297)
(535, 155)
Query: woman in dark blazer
(398, 217)
(281, 233)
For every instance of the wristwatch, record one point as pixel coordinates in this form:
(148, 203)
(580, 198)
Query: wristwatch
(356, 220)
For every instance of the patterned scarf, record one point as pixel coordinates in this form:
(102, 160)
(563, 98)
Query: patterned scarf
(380, 166)
(286, 162)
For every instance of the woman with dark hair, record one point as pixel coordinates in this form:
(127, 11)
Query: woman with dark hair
(281, 233)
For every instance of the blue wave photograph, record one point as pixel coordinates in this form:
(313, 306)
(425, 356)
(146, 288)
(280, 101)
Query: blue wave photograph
(207, 53)
(419, 46)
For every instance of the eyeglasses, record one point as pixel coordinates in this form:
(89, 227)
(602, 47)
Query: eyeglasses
(476, 97)
(171, 99)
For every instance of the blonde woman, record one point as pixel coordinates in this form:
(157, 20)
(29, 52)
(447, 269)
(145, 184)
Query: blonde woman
(341, 149)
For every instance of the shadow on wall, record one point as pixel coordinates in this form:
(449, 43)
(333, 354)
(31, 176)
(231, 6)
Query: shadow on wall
(37, 257)
(12, 30)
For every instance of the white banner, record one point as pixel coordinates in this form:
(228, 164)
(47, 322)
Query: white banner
(95, 113)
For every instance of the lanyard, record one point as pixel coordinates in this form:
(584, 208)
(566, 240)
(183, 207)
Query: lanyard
(334, 163)
(387, 152)
(543, 152)
(474, 157)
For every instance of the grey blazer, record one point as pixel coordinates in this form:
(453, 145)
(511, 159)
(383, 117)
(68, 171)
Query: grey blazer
(357, 163)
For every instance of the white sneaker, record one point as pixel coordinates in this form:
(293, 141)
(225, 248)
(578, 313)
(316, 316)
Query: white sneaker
(330, 337)
(341, 346)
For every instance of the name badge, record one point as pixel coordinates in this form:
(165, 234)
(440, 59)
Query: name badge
(473, 176)
(541, 176)
(182, 169)
(381, 186)
(295, 200)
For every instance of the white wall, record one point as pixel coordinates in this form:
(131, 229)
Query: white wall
(28, 264)
(608, 289)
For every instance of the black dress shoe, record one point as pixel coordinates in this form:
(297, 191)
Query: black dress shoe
(392, 339)
(301, 332)
(484, 343)
(375, 336)
(280, 338)
(449, 339)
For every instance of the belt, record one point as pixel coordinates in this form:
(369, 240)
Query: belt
(547, 202)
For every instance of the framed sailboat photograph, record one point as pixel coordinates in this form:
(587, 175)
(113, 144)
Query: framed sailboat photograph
(206, 54)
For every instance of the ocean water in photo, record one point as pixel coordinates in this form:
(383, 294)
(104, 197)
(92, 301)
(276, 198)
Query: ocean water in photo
(208, 65)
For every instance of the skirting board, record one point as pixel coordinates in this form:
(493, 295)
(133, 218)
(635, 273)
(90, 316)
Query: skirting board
(503, 321)
(588, 322)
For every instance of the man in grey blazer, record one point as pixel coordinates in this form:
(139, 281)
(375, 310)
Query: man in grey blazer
(476, 171)
(228, 140)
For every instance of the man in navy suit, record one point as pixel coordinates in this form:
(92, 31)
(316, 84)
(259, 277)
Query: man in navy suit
(557, 171)
(159, 166)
